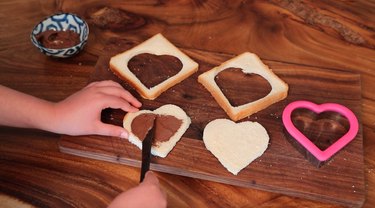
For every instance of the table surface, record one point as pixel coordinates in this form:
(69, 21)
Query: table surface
(330, 34)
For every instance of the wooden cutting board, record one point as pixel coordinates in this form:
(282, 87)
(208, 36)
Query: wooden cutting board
(280, 169)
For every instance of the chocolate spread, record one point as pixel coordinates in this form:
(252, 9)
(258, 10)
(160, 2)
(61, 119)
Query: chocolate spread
(142, 124)
(241, 88)
(152, 69)
(166, 126)
(58, 39)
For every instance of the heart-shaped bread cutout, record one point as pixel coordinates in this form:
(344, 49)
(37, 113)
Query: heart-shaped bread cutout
(152, 69)
(171, 123)
(307, 143)
(235, 145)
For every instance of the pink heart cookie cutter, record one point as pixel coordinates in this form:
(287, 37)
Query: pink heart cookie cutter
(305, 142)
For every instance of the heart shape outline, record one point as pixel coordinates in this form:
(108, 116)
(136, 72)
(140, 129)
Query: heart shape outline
(157, 45)
(163, 148)
(147, 63)
(235, 145)
(305, 142)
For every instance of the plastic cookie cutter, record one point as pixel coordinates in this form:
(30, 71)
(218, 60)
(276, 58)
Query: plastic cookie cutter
(321, 155)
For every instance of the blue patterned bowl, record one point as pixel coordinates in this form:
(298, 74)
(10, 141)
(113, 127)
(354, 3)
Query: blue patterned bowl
(61, 22)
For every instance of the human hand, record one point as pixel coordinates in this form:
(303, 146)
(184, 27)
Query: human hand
(80, 113)
(147, 194)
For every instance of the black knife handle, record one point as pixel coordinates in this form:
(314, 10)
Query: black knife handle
(146, 152)
(146, 157)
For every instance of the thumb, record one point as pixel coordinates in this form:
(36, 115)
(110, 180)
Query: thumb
(152, 181)
(150, 178)
(112, 130)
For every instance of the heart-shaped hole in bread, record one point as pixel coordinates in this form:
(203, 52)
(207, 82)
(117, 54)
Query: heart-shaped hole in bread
(241, 88)
(171, 123)
(153, 69)
(231, 80)
(322, 129)
(153, 66)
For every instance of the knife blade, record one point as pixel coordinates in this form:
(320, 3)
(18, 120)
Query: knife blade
(146, 151)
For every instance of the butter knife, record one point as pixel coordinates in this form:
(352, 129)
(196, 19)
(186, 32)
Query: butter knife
(146, 151)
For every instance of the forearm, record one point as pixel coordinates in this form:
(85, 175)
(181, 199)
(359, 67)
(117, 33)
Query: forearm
(21, 110)
(78, 114)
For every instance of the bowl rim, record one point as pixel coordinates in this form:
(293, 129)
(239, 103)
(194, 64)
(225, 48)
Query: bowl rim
(80, 44)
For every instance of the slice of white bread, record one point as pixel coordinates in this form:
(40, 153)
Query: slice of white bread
(249, 63)
(157, 45)
(235, 145)
(162, 148)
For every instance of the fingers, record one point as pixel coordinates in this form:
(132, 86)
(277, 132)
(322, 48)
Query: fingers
(111, 130)
(116, 95)
(104, 83)
(116, 103)
(147, 194)
(150, 178)
(115, 89)
(110, 94)
(126, 95)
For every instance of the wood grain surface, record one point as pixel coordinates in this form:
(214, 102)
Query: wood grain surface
(337, 35)
(280, 169)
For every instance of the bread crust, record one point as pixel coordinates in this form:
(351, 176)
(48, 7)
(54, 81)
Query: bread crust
(157, 45)
(279, 89)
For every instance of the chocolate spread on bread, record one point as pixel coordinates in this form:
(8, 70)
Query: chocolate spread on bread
(58, 39)
(241, 88)
(152, 69)
(142, 124)
(166, 126)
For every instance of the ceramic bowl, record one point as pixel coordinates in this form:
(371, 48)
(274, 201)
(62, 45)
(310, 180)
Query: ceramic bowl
(61, 22)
